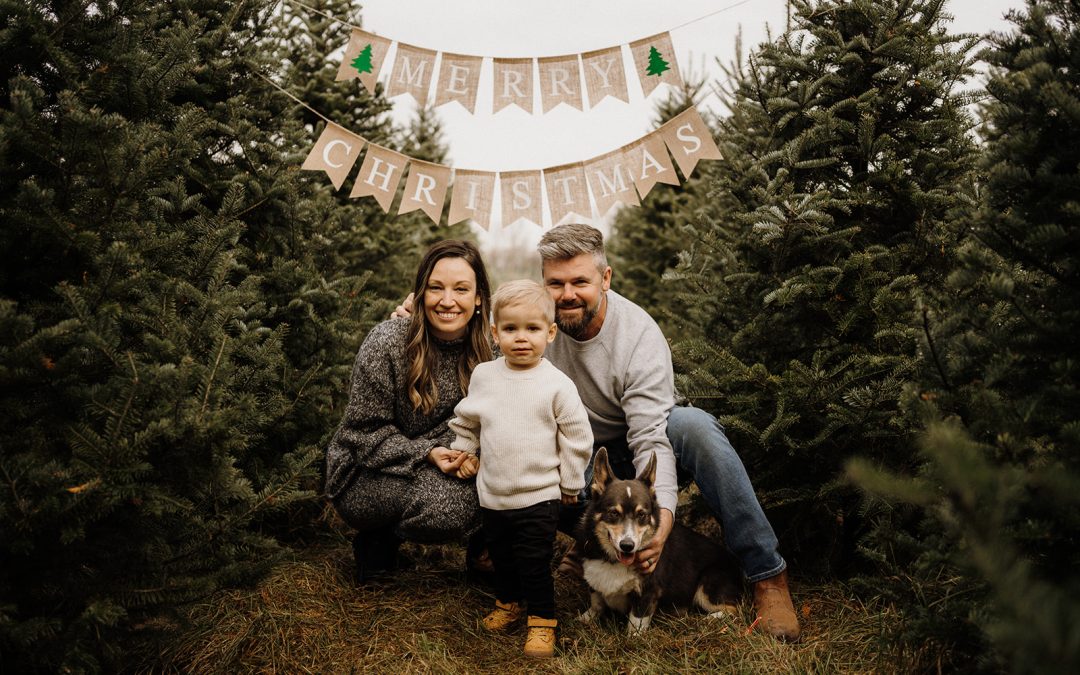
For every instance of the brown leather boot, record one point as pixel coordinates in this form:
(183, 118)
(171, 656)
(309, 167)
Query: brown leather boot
(772, 602)
(503, 616)
(541, 639)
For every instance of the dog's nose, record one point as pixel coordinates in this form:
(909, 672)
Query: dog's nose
(626, 545)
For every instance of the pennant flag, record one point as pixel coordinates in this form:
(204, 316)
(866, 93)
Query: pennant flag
(520, 192)
(689, 140)
(649, 164)
(335, 153)
(472, 196)
(459, 80)
(379, 175)
(610, 182)
(605, 75)
(413, 67)
(560, 81)
(654, 60)
(513, 84)
(425, 189)
(363, 58)
(567, 193)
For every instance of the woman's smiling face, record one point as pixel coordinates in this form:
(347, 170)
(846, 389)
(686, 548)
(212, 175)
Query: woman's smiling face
(450, 298)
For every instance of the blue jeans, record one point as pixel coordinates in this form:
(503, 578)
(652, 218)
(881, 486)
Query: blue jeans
(704, 454)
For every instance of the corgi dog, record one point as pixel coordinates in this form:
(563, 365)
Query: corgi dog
(621, 517)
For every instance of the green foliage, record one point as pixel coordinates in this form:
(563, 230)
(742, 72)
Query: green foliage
(844, 155)
(179, 308)
(998, 482)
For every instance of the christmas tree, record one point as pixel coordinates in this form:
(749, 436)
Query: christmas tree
(657, 64)
(999, 480)
(362, 62)
(844, 154)
(178, 312)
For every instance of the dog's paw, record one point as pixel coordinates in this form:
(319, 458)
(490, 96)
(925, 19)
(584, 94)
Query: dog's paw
(638, 624)
(724, 612)
(587, 616)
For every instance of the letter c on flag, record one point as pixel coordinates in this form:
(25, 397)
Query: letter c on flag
(326, 153)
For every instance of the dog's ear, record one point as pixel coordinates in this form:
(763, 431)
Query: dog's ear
(601, 472)
(648, 476)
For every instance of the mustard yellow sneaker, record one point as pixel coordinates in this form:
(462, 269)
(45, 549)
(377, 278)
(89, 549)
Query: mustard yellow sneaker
(503, 616)
(541, 639)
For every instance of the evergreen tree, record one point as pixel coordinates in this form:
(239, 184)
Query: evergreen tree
(998, 487)
(845, 153)
(645, 242)
(178, 311)
(657, 64)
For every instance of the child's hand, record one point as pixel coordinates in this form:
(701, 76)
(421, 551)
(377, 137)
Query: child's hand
(469, 468)
(569, 499)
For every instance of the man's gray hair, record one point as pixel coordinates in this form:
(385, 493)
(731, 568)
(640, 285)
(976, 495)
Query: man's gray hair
(571, 240)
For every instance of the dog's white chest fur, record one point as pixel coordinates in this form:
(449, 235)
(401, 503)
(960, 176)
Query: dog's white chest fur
(611, 580)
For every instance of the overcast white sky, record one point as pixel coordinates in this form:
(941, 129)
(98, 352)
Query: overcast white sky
(515, 140)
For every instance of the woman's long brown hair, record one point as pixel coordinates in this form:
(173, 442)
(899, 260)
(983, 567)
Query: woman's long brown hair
(421, 354)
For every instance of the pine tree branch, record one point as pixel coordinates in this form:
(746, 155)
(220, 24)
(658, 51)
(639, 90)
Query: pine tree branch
(933, 349)
(209, 382)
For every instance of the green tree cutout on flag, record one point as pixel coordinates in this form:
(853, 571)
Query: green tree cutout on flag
(657, 64)
(362, 62)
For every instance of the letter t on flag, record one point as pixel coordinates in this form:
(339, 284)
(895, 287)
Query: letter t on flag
(335, 153)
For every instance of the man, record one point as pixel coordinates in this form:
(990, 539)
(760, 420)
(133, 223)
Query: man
(621, 363)
(619, 360)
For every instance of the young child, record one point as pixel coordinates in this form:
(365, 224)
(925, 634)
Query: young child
(524, 418)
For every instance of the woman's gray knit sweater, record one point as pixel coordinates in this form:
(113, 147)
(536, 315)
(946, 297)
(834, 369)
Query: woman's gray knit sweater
(377, 473)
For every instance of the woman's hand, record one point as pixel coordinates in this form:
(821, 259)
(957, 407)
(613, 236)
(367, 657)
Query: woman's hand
(469, 468)
(447, 460)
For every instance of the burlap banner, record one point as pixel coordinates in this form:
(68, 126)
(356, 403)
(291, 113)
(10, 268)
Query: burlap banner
(560, 77)
(513, 84)
(616, 177)
(567, 192)
(605, 75)
(472, 197)
(560, 81)
(363, 58)
(689, 140)
(654, 61)
(379, 175)
(459, 80)
(520, 194)
(413, 68)
(425, 189)
(335, 153)
(610, 182)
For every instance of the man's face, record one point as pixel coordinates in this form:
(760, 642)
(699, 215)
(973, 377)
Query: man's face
(577, 287)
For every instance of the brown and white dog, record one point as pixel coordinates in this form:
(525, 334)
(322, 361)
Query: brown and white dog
(621, 518)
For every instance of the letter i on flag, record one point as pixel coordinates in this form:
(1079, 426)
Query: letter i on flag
(363, 58)
(335, 153)
(654, 60)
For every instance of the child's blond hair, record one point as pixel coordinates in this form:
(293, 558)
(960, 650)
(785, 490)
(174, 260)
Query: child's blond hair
(523, 292)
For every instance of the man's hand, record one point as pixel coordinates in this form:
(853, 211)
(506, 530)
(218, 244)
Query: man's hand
(568, 499)
(469, 467)
(404, 310)
(447, 460)
(647, 557)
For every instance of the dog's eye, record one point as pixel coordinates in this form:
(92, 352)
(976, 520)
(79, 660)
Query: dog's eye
(642, 517)
(611, 516)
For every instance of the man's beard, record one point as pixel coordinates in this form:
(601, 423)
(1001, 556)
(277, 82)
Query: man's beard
(575, 328)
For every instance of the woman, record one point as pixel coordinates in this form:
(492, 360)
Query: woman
(389, 469)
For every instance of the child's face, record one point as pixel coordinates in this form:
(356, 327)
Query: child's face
(522, 334)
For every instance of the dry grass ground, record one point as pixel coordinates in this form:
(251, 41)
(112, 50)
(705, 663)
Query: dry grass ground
(309, 617)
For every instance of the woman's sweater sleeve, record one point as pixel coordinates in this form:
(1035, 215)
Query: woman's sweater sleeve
(369, 437)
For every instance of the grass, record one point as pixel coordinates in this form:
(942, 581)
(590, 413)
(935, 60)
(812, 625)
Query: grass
(309, 617)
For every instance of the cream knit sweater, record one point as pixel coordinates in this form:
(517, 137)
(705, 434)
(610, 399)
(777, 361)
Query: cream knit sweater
(531, 431)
